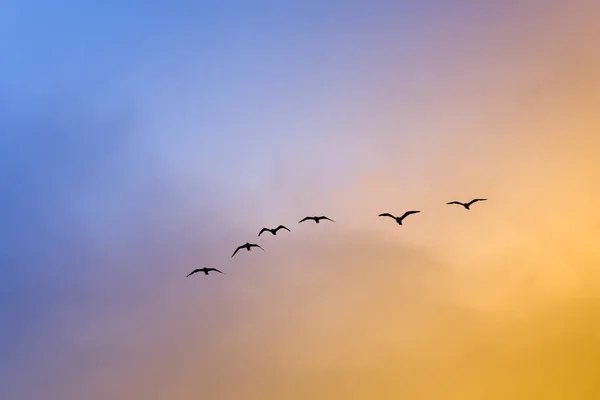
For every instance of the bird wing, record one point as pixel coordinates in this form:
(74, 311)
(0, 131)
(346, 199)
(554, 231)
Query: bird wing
(305, 219)
(193, 272)
(387, 215)
(255, 245)
(282, 227)
(263, 230)
(475, 201)
(214, 269)
(456, 202)
(406, 214)
(324, 217)
(236, 250)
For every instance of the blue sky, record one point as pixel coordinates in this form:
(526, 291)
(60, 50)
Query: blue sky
(113, 116)
(140, 138)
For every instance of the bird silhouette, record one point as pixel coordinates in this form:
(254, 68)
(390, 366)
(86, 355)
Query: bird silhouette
(246, 246)
(467, 205)
(205, 270)
(399, 219)
(274, 230)
(316, 219)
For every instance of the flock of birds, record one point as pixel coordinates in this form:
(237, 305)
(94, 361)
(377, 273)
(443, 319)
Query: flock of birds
(248, 246)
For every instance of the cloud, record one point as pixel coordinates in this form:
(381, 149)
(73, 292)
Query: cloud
(341, 314)
(104, 213)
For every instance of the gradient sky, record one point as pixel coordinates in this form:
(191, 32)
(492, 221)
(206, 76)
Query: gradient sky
(140, 140)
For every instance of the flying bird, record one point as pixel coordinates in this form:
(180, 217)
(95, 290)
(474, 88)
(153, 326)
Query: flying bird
(399, 219)
(273, 231)
(205, 270)
(316, 219)
(466, 205)
(246, 246)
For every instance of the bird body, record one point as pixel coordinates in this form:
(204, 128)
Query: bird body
(246, 246)
(274, 230)
(467, 205)
(399, 219)
(316, 219)
(205, 270)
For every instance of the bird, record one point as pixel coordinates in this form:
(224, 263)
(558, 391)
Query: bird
(466, 205)
(273, 231)
(205, 270)
(316, 219)
(246, 246)
(399, 219)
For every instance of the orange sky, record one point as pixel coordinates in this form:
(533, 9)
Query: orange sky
(497, 303)
(500, 302)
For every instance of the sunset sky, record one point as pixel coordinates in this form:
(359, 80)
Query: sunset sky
(142, 139)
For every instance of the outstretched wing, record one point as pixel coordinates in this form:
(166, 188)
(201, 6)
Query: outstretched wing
(193, 272)
(263, 230)
(236, 250)
(324, 217)
(306, 219)
(387, 215)
(456, 202)
(406, 214)
(214, 269)
(255, 245)
(475, 201)
(281, 227)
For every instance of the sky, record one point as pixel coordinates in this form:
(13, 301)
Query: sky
(141, 140)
